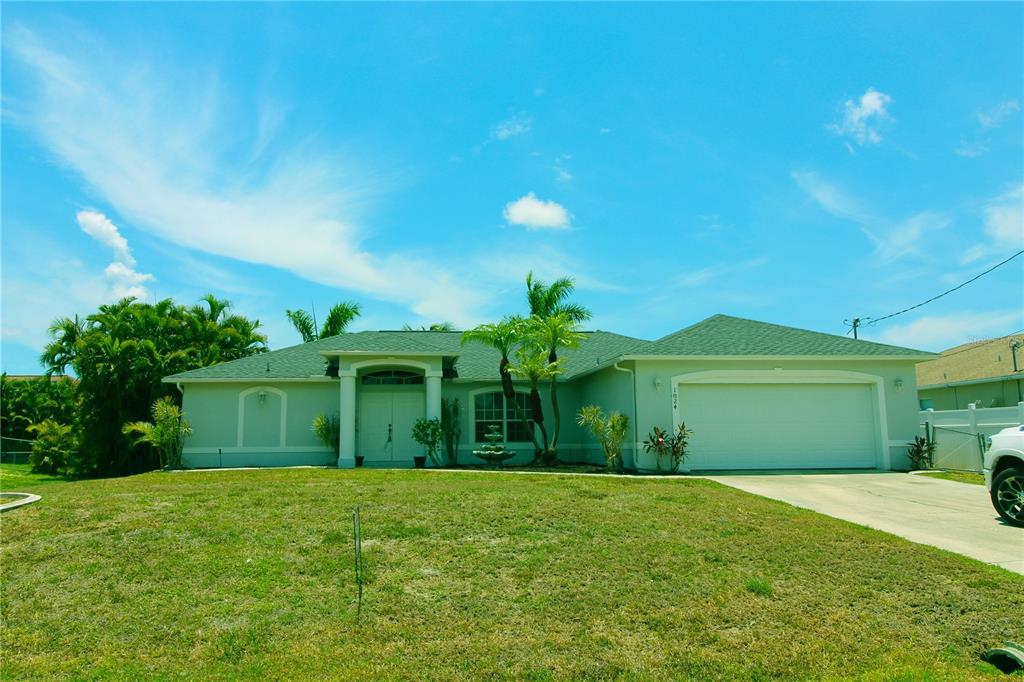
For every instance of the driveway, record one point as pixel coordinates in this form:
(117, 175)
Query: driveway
(953, 516)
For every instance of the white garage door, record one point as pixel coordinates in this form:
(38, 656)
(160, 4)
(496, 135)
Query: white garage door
(780, 426)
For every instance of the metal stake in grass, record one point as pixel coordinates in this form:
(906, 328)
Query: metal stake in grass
(358, 559)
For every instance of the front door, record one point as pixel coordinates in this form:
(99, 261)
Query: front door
(385, 425)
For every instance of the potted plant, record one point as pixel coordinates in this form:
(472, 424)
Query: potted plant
(428, 433)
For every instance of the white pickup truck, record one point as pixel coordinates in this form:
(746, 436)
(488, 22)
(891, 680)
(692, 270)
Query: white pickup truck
(1004, 473)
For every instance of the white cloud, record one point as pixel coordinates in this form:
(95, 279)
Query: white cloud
(519, 124)
(702, 276)
(534, 213)
(994, 117)
(604, 131)
(157, 145)
(1004, 226)
(122, 278)
(829, 196)
(862, 118)
(971, 149)
(939, 332)
(562, 174)
(892, 239)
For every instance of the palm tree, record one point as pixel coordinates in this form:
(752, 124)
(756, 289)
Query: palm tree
(504, 336)
(62, 349)
(549, 300)
(338, 319)
(166, 433)
(532, 364)
(550, 334)
(435, 327)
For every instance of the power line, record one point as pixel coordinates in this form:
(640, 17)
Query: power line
(870, 321)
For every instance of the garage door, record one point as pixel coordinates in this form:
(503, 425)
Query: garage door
(780, 426)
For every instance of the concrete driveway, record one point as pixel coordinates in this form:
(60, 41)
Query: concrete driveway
(946, 514)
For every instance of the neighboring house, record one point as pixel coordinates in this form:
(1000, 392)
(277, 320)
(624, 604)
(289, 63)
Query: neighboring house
(757, 396)
(986, 373)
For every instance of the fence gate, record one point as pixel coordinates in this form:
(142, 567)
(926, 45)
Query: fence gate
(960, 435)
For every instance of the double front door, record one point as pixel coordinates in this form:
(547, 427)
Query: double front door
(385, 425)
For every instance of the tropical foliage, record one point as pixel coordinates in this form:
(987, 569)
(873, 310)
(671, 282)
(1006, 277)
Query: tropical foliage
(609, 431)
(532, 364)
(435, 327)
(548, 300)
(121, 353)
(451, 428)
(427, 432)
(337, 321)
(328, 431)
(921, 452)
(53, 449)
(670, 449)
(165, 434)
(31, 401)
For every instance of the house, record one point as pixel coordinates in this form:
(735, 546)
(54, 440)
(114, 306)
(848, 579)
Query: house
(757, 396)
(983, 373)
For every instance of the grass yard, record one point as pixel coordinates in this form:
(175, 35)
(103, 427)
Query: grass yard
(478, 576)
(958, 476)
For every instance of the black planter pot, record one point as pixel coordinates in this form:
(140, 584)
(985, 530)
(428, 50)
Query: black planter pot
(421, 462)
(359, 460)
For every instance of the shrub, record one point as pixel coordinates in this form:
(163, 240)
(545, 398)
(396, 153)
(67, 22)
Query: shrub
(610, 431)
(670, 448)
(427, 432)
(165, 434)
(921, 452)
(54, 447)
(328, 430)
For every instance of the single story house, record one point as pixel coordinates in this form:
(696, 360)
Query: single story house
(757, 396)
(984, 373)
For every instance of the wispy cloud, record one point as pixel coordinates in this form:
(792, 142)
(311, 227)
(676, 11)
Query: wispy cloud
(520, 124)
(939, 332)
(159, 147)
(830, 196)
(702, 276)
(1004, 226)
(863, 118)
(893, 239)
(988, 120)
(122, 277)
(997, 115)
(534, 213)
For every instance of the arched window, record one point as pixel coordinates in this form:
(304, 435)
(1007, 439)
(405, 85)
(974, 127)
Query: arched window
(392, 377)
(490, 409)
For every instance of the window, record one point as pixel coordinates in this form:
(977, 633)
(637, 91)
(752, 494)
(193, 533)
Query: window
(392, 377)
(490, 409)
(926, 403)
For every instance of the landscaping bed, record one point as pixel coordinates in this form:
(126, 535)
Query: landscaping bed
(474, 575)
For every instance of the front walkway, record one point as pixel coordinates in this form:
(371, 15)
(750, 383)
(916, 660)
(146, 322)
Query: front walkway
(953, 516)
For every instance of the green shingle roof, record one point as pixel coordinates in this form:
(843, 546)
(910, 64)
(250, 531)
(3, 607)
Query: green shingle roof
(720, 335)
(725, 335)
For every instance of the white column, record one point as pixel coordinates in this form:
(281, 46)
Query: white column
(433, 384)
(347, 402)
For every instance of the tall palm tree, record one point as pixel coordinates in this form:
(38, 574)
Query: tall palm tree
(62, 349)
(547, 300)
(504, 336)
(550, 334)
(338, 319)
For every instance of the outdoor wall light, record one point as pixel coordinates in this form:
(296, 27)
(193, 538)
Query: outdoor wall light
(262, 397)
(899, 384)
(657, 383)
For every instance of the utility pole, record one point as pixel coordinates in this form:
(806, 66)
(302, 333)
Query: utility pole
(854, 323)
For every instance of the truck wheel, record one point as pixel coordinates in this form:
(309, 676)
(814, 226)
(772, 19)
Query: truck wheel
(1008, 495)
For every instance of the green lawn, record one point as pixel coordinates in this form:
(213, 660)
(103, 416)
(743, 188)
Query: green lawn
(958, 476)
(475, 575)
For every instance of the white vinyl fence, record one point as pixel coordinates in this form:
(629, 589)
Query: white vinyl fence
(960, 435)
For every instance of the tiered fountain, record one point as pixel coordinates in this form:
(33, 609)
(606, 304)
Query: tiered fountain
(494, 452)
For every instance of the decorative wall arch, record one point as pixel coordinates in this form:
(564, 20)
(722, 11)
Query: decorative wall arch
(241, 411)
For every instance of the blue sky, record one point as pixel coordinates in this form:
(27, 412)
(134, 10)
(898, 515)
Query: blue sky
(797, 163)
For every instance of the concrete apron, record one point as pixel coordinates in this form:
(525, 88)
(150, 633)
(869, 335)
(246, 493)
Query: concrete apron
(953, 516)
